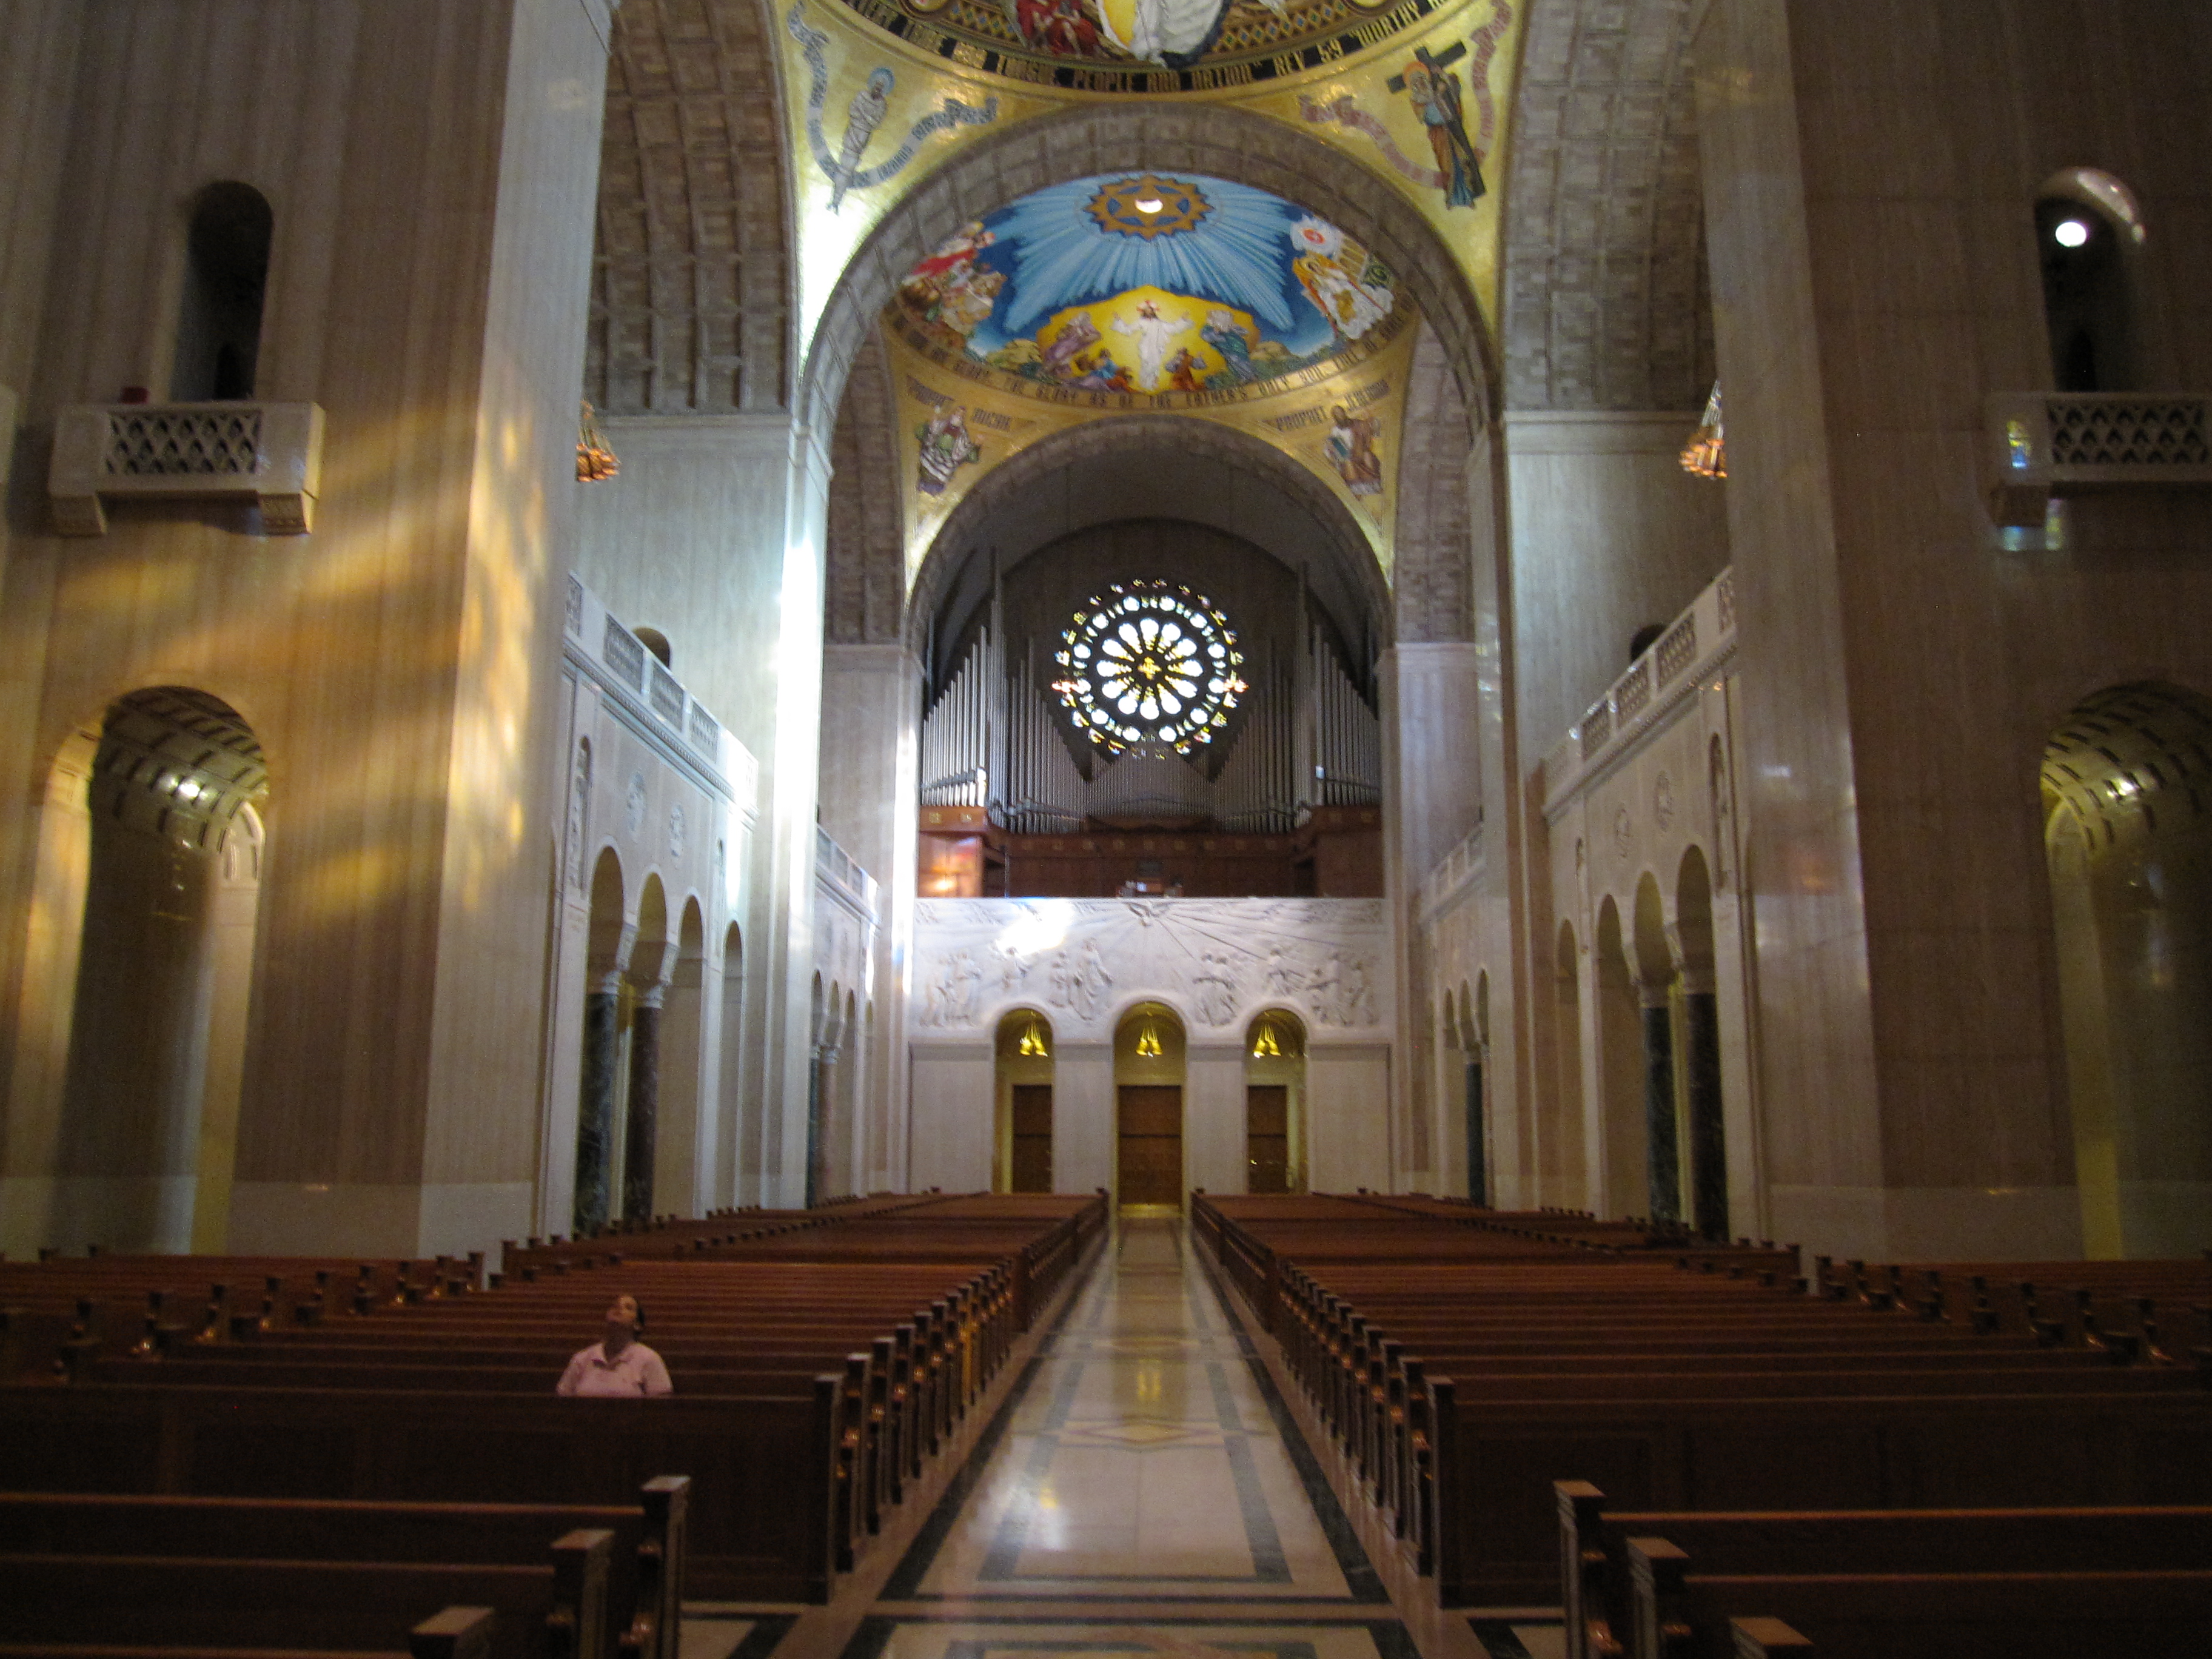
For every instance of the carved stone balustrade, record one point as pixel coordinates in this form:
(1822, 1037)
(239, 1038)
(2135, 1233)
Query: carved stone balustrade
(2042, 444)
(268, 454)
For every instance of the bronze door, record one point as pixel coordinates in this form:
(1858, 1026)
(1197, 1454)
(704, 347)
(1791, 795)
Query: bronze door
(1152, 1145)
(1266, 1138)
(1032, 1148)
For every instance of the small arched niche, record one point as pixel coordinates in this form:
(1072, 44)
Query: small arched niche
(1148, 1087)
(1274, 1102)
(1023, 1070)
(2125, 784)
(226, 245)
(151, 857)
(2087, 227)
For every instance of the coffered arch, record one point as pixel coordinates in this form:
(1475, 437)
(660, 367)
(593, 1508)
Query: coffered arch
(1605, 301)
(690, 270)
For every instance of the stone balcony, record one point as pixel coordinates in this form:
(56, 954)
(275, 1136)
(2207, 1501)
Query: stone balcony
(268, 454)
(2042, 444)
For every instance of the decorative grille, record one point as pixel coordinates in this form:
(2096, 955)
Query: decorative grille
(2128, 432)
(1597, 729)
(668, 697)
(1635, 691)
(1678, 649)
(624, 654)
(169, 442)
(705, 734)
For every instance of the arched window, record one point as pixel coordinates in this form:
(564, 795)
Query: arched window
(226, 280)
(2087, 228)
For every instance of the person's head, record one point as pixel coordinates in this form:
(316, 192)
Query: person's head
(625, 1320)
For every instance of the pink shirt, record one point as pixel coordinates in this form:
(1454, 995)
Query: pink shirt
(636, 1370)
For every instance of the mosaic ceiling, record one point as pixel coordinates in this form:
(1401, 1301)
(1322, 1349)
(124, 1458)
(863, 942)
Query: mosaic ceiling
(1147, 291)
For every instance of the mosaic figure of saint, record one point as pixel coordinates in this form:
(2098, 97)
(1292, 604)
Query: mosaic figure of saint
(1061, 28)
(1077, 336)
(946, 447)
(870, 105)
(1221, 332)
(1351, 449)
(948, 266)
(966, 303)
(1346, 285)
(1434, 91)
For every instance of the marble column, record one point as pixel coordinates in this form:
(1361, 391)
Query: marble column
(1478, 1148)
(1664, 1165)
(1701, 1082)
(595, 1105)
(641, 1131)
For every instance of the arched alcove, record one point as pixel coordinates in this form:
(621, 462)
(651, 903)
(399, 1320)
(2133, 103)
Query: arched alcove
(2126, 781)
(1620, 1069)
(1699, 1005)
(226, 245)
(1274, 1102)
(683, 1063)
(1022, 1159)
(2087, 227)
(642, 1010)
(1474, 1021)
(1149, 1071)
(140, 965)
(1658, 992)
(1566, 1119)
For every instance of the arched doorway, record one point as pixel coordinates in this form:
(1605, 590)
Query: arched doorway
(1274, 1102)
(1023, 1158)
(2130, 852)
(149, 890)
(1148, 1084)
(600, 1074)
(1475, 1022)
(1566, 1048)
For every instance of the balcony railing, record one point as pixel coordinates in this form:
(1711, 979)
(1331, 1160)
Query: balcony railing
(2043, 444)
(268, 454)
(1697, 642)
(835, 867)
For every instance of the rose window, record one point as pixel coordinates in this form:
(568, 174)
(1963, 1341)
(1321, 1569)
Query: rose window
(1150, 665)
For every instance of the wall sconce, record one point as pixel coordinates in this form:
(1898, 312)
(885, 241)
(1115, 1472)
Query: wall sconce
(1033, 1045)
(1264, 1046)
(1148, 1042)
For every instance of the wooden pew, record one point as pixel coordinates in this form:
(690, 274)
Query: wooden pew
(1683, 1612)
(646, 1568)
(553, 1610)
(1596, 1582)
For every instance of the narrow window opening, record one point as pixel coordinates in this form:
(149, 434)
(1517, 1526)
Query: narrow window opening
(2086, 228)
(226, 281)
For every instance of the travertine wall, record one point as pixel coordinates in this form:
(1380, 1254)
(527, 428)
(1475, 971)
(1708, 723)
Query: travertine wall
(1870, 176)
(1609, 534)
(430, 169)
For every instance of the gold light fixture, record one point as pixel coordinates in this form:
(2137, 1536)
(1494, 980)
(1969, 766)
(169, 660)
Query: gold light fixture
(1033, 1045)
(1148, 1042)
(1706, 453)
(1264, 1046)
(595, 462)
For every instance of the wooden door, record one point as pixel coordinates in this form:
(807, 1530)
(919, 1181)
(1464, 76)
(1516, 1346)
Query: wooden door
(1266, 1138)
(1032, 1149)
(1152, 1145)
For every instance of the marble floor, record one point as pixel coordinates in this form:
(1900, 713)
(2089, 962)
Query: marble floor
(1143, 1492)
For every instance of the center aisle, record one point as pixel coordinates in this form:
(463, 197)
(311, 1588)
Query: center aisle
(1143, 1491)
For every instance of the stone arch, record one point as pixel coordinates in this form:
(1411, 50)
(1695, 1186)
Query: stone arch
(1023, 478)
(1433, 576)
(1691, 939)
(1214, 139)
(1605, 301)
(690, 306)
(139, 960)
(2127, 802)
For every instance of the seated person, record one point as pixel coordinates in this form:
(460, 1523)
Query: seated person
(619, 1364)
